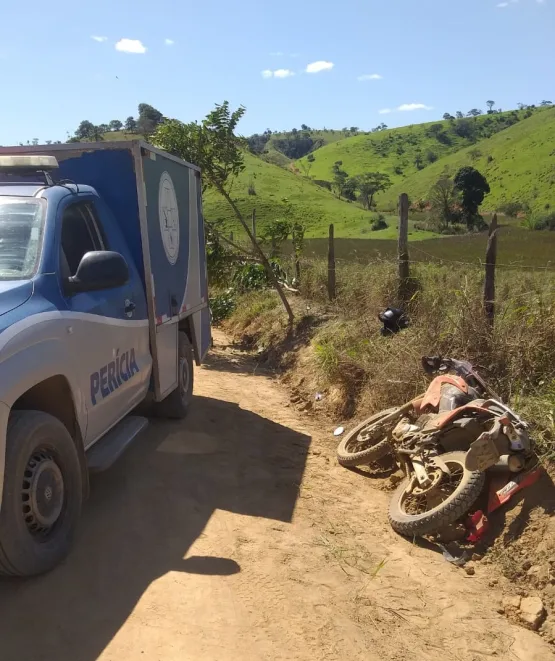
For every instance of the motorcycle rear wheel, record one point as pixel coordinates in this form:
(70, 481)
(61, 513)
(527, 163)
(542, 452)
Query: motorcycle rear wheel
(460, 491)
(349, 452)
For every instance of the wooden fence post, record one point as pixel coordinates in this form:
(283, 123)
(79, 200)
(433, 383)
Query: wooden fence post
(331, 265)
(403, 244)
(489, 282)
(254, 223)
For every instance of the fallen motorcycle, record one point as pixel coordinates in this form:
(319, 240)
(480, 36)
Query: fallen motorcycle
(444, 441)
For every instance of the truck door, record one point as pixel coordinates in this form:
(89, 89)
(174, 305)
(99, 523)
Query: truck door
(110, 347)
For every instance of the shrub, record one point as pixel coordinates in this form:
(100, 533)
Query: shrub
(512, 209)
(540, 222)
(379, 223)
(372, 373)
(251, 188)
(222, 305)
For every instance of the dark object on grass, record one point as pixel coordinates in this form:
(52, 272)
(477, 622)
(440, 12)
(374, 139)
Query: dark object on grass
(393, 320)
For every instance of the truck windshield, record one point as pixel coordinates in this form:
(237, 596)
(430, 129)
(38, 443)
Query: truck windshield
(21, 221)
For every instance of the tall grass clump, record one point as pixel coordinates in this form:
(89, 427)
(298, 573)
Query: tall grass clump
(447, 318)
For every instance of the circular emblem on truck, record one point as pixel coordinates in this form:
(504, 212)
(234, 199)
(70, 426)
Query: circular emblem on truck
(169, 217)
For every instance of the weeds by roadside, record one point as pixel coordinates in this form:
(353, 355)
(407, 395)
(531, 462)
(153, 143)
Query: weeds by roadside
(367, 372)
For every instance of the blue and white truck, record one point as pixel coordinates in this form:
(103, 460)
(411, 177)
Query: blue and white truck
(103, 305)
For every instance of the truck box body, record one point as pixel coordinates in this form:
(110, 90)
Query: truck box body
(103, 303)
(155, 199)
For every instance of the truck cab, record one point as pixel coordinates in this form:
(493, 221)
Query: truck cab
(85, 252)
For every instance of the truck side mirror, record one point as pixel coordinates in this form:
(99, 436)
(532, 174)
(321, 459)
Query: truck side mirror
(99, 269)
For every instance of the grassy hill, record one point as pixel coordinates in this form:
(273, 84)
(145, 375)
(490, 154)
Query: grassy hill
(272, 154)
(518, 161)
(280, 193)
(404, 151)
(519, 164)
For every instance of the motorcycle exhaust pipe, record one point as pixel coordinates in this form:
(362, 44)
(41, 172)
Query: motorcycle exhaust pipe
(513, 463)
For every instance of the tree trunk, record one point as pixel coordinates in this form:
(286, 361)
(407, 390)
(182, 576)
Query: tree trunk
(258, 249)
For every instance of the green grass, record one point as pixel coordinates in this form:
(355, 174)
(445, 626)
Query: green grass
(517, 247)
(385, 151)
(519, 164)
(321, 137)
(281, 193)
(360, 229)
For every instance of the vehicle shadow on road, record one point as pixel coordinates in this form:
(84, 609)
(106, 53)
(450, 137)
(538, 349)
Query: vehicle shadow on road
(142, 518)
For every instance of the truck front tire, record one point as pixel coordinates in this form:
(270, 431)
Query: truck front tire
(42, 494)
(177, 403)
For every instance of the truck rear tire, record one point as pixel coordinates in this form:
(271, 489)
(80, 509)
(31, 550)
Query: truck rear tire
(177, 403)
(42, 494)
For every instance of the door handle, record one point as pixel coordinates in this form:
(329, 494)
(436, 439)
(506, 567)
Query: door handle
(129, 307)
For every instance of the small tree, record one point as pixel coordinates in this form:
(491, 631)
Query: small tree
(149, 118)
(490, 105)
(447, 115)
(473, 187)
(130, 124)
(84, 130)
(369, 184)
(275, 233)
(474, 112)
(214, 147)
(459, 114)
(339, 177)
(443, 199)
(435, 130)
(97, 134)
(116, 125)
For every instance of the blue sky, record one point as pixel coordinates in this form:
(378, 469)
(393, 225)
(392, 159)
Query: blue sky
(420, 58)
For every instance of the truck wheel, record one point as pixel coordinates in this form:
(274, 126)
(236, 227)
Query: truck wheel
(42, 494)
(176, 404)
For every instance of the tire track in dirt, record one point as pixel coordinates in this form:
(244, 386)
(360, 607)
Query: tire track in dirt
(235, 535)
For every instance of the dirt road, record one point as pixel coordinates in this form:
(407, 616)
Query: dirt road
(235, 535)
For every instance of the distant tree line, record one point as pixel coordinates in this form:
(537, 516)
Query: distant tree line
(145, 124)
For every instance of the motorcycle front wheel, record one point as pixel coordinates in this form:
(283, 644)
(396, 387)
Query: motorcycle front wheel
(422, 513)
(369, 441)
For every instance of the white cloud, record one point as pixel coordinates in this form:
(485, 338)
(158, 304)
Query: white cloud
(540, 2)
(501, 5)
(283, 73)
(131, 46)
(320, 65)
(407, 107)
(99, 39)
(370, 76)
(169, 42)
(278, 73)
